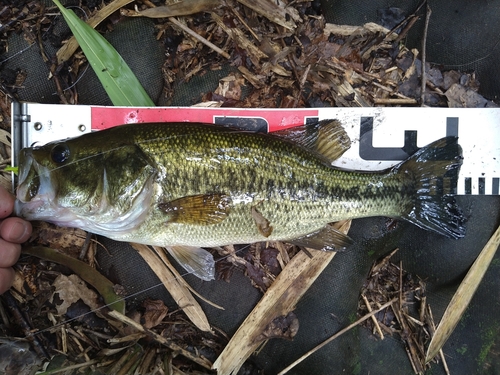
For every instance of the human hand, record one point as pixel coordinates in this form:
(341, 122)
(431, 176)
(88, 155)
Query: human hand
(13, 232)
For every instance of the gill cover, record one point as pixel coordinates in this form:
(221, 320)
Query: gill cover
(77, 183)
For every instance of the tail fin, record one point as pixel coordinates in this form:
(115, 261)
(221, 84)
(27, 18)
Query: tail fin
(435, 171)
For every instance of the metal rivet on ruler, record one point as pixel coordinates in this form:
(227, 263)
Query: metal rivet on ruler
(38, 126)
(82, 128)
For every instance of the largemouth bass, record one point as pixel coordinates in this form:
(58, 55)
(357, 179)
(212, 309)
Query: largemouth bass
(186, 186)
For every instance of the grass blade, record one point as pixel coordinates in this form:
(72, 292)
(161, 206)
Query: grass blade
(120, 83)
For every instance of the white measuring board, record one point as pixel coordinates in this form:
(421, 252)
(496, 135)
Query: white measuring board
(381, 136)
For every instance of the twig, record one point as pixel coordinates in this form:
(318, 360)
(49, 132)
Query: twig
(374, 320)
(25, 326)
(59, 89)
(85, 247)
(162, 340)
(341, 332)
(410, 347)
(409, 21)
(424, 42)
(72, 367)
(176, 286)
(4, 316)
(395, 101)
(401, 284)
(39, 35)
(433, 329)
(250, 30)
(198, 37)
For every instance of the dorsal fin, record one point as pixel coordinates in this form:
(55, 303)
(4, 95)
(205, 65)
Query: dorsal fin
(326, 138)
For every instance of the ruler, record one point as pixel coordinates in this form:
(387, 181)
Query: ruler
(381, 136)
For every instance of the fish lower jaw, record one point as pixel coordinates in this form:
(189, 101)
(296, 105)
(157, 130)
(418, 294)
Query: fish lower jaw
(32, 210)
(38, 209)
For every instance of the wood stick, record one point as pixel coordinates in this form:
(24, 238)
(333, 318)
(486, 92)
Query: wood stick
(424, 44)
(250, 30)
(433, 330)
(374, 320)
(198, 37)
(395, 101)
(162, 340)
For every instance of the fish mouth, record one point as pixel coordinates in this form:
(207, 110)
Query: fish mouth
(34, 191)
(29, 179)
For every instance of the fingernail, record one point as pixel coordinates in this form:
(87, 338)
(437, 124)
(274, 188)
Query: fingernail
(18, 231)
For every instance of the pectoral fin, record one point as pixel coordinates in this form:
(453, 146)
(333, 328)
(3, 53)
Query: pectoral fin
(203, 209)
(327, 239)
(195, 260)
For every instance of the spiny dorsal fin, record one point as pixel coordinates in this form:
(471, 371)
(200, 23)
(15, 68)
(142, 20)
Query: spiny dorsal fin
(326, 138)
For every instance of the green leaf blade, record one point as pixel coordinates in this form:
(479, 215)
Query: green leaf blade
(120, 83)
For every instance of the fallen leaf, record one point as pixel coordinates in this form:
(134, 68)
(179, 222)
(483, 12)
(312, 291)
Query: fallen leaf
(70, 289)
(155, 312)
(282, 327)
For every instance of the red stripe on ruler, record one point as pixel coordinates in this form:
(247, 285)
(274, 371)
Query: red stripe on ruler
(277, 119)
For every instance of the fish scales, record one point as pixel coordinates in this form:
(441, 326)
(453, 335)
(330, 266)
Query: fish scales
(297, 192)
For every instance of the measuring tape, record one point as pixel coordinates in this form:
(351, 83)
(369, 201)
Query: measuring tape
(381, 136)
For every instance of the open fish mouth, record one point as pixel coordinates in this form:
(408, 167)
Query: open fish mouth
(29, 179)
(34, 191)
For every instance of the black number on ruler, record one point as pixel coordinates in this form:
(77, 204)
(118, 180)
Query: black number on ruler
(368, 152)
(254, 124)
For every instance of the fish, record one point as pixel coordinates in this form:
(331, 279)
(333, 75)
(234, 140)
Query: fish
(189, 186)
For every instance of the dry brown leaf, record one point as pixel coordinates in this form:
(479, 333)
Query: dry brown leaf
(155, 312)
(57, 237)
(282, 327)
(69, 290)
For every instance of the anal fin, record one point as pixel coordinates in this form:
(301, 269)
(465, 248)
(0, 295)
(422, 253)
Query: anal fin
(326, 239)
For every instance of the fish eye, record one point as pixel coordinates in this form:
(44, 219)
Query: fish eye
(60, 153)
